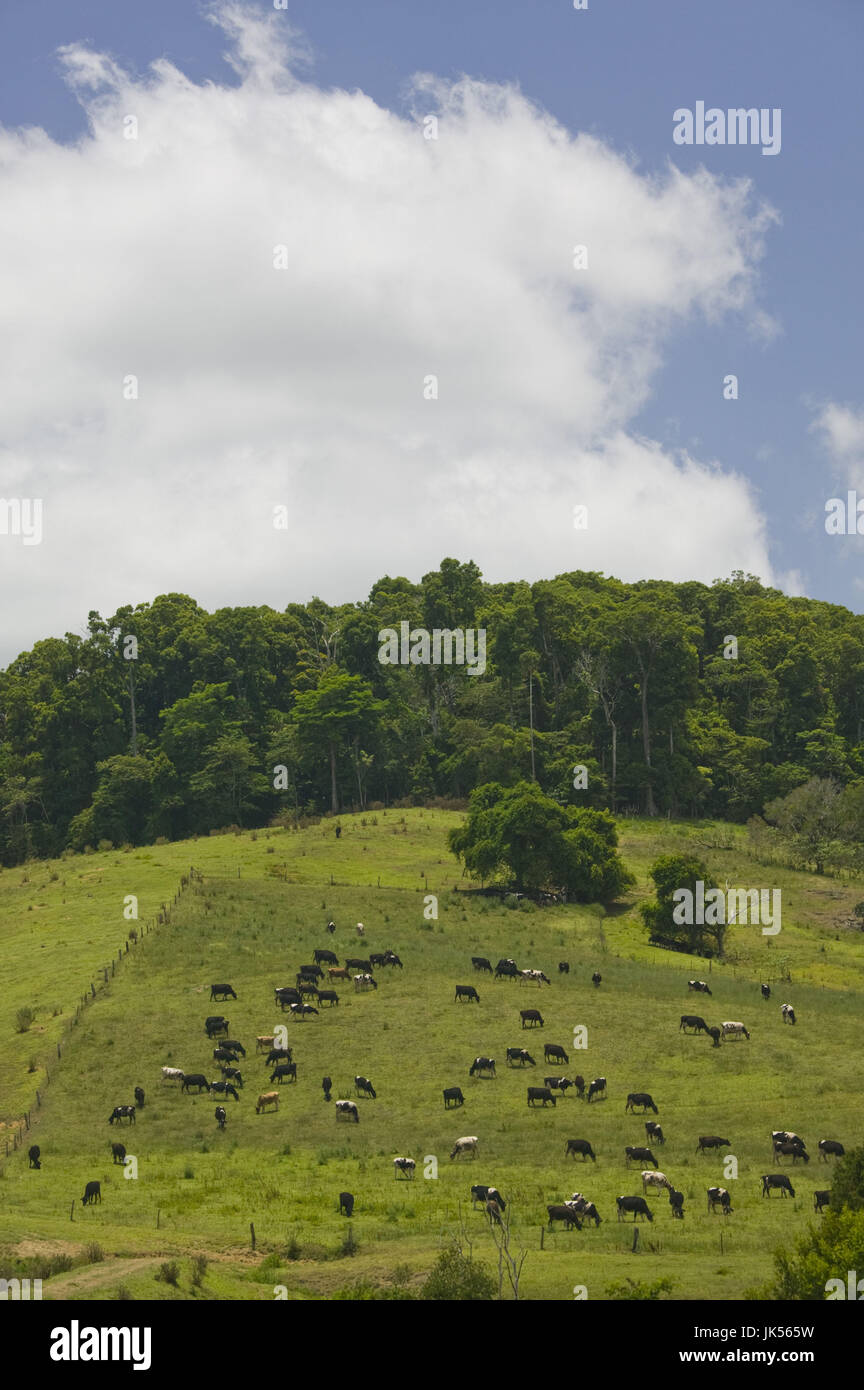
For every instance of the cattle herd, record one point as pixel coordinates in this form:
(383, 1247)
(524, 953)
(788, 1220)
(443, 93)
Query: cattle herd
(573, 1212)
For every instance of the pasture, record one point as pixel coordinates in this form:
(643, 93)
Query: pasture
(198, 1188)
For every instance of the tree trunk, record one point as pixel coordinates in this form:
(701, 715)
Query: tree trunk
(650, 807)
(334, 790)
(133, 743)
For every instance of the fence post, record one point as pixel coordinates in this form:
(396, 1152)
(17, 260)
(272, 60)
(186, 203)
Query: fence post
(635, 1239)
(542, 1233)
(72, 1212)
(158, 1212)
(251, 1223)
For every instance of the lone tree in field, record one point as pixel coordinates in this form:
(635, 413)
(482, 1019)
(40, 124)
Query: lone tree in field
(669, 874)
(523, 834)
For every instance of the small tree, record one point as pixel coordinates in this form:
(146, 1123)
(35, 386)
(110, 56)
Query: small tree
(669, 874)
(457, 1278)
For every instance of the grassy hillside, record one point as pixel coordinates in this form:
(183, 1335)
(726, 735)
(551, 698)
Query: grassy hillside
(284, 1171)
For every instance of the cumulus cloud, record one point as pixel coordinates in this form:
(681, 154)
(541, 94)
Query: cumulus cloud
(400, 259)
(842, 430)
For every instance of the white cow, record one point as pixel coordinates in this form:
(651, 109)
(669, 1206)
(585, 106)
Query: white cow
(404, 1165)
(735, 1030)
(651, 1178)
(348, 1109)
(467, 1144)
(360, 929)
(534, 976)
(172, 1074)
(788, 1013)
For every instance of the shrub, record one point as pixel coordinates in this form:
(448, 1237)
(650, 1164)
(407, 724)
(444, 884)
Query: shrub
(105, 845)
(199, 1269)
(23, 1019)
(169, 1273)
(94, 1253)
(455, 1278)
(122, 1295)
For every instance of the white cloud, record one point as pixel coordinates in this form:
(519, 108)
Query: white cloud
(842, 429)
(407, 257)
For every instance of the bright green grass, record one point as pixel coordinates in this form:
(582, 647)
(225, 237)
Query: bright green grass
(284, 1171)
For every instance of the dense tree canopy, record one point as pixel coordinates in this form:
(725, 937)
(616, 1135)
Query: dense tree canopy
(680, 699)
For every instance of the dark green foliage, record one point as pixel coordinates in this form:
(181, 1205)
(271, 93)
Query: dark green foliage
(455, 1278)
(669, 874)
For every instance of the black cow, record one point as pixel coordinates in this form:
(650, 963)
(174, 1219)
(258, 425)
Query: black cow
(481, 963)
(195, 1079)
(362, 1085)
(774, 1180)
(642, 1099)
(569, 1215)
(506, 970)
(234, 1046)
(654, 1131)
(346, 1203)
(378, 958)
(563, 967)
(711, 1141)
(467, 992)
(391, 958)
(520, 1055)
(597, 1087)
(139, 1097)
(123, 1112)
(307, 987)
(637, 1205)
(224, 1054)
(355, 963)
(579, 1146)
(543, 1093)
(33, 1154)
(640, 1154)
(328, 996)
(676, 1202)
(530, 1018)
(596, 978)
(286, 995)
(314, 972)
(793, 1151)
(715, 1035)
(215, 1024)
(325, 957)
(453, 1095)
(326, 1086)
(279, 1054)
(221, 991)
(119, 1153)
(766, 991)
(821, 1199)
(92, 1193)
(301, 1010)
(479, 1193)
(482, 1064)
(221, 1116)
(830, 1146)
(692, 1021)
(284, 1070)
(579, 1083)
(554, 1052)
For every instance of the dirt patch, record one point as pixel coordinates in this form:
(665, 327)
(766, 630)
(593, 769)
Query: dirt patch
(27, 1248)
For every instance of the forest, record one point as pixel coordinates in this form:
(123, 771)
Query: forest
(654, 698)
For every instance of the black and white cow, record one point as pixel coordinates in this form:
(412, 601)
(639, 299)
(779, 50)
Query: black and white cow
(597, 1087)
(224, 1088)
(122, 1112)
(347, 1109)
(735, 1030)
(788, 1013)
(719, 1197)
(520, 1055)
(479, 1064)
(506, 969)
(639, 1154)
(467, 1144)
(654, 1131)
(557, 1083)
(221, 1115)
(404, 1166)
(793, 1151)
(766, 991)
(830, 1147)
(596, 979)
(363, 1086)
(698, 986)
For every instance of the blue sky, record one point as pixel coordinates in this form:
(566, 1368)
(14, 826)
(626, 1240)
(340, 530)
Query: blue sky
(616, 71)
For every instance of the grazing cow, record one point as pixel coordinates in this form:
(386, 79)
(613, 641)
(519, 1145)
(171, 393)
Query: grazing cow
(234, 1046)
(719, 1197)
(535, 977)
(821, 1199)
(347, 1109)
(698, 986)
(506, 970)
(567, 1214)
(639, 1153)
(325, 957)
(520, 1055)
(543, 1093)
(453, 1096)
(557, 1083)
(711, 1141)
(224, 1088)
(224, 1054)
(654, 1131)
(308, 987)
(579, 1083)
(788, 1013)
(479, 1193)
(554, 1052)
(288, 995)
(346, 1203)
(122, 1112)
(341, 974)
(735, 1030)
(653, 1178)
(328, 996)
(172, 1074)
(642, 1099)
(303, 1010)
(197, 1080)
(770, 1181)
(467, 992)
(405, 1166)
(785, 1136)
(264, 1042)
(391, 958)
(266, 1100)
(531, 1018)
(481, 963)
(637, 1205)
(766, 991)
(830, 1146)
(285, 1070)
(360, 929)
(597, 1087)
(580, 1146)
(467, 1144)
(355, 963)
(139, 1097)
(231, 1074)
(362, 982)
(693, 1021)
(33, 1155)
(118, 1152)
(362, 1085)
(676, 1202)
(715, 1035)
(378, 959)
(493, 1211)
(221, 1116)
(279, 1054)
(596, 979)
(215, 1024)
(92, 1193)
(482, 1064)
(331, 927)
(588, 1211)
(221, 991)
(563, 967)
(793, 1151)
(313, 971)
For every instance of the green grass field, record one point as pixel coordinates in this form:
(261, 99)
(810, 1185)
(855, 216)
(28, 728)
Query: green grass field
(258, 912)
